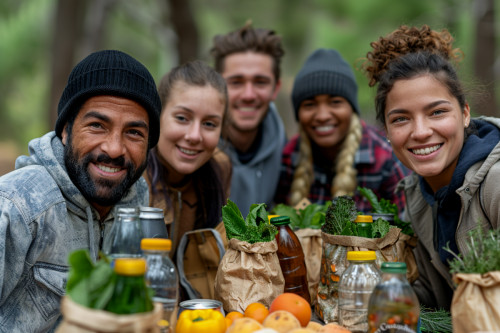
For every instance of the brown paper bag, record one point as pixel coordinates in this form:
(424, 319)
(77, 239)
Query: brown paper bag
(311, 242)
(476, 303)
(334, 263)
(79, 319)
(248, 273)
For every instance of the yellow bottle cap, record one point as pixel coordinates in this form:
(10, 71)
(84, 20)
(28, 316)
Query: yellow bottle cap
(156, 244)
(271, 216)
(130, 266)
(361, 255)
(364, 218)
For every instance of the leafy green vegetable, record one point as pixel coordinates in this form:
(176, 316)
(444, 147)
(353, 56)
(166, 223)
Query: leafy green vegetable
(380, 228)
(313, 216)
(435, 321)
(483, 255)
(384, 206)
(89, 284)
(255, 228)
(340, 216)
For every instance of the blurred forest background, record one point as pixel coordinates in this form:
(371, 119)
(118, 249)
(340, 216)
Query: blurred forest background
(41, 40)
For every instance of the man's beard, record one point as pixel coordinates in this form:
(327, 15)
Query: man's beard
(103, 192)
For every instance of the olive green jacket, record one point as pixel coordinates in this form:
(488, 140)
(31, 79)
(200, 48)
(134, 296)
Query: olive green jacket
(480, 197)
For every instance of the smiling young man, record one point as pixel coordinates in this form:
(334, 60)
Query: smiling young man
(249, 60)
(60, 198)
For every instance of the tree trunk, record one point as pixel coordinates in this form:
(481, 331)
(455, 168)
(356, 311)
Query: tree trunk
(484, 57)
(186, 30)
(67, 30)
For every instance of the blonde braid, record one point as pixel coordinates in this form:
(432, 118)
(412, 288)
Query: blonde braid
(303, 176)
(345, 182)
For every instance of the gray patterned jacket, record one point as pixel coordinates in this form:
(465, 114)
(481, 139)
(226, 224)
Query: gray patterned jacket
(43, 217)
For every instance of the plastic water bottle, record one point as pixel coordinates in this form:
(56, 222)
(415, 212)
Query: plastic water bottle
(355, 288)
(161, 274)
(393, 305)
(124, 239)
(291, 257)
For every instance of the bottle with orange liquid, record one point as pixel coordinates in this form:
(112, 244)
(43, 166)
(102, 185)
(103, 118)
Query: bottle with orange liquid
(291, 257)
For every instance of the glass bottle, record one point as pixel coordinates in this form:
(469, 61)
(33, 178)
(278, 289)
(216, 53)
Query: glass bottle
(152, 222)
(291, 257)
(355, 288)
(124, 239)
(130, 294)
(161, 274)
(364, 225)
(393, 305)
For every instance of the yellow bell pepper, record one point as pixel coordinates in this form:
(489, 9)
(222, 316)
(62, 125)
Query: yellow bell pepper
(201, 321)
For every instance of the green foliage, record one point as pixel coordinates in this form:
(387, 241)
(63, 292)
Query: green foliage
(339, 217)
(313, 216)
(384, 206)
(380, 228)
(483, 255)
(255, 228)
(89, 284)
(435, 321)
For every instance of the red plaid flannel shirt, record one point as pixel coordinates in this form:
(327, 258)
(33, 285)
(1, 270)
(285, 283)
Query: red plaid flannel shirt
(378, 169)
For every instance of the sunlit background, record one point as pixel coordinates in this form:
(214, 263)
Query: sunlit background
(41, 40)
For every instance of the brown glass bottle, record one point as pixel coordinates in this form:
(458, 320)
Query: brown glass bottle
(291, 258)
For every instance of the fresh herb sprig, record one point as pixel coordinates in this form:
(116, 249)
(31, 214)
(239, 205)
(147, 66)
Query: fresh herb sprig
(384, 206)
(340, 216)
(483, 255)
(435, 321)
(255, 228)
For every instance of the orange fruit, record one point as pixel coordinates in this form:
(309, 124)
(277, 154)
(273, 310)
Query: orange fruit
(295, 304)
(234, 315)
(229, 321)
(257, 311)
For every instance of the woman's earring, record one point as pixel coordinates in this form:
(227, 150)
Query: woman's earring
(388, 140)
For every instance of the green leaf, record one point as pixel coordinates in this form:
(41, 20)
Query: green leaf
(101, 285)
(81, 266)
(233, 220)
(79, 293)
(257, 215)
(380, 228)
(372, 198)
(285, 210)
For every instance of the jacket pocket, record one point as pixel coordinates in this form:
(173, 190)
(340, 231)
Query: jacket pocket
(49, 288)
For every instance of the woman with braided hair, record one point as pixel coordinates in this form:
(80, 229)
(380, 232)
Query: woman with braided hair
(335, 151)
(455, 159)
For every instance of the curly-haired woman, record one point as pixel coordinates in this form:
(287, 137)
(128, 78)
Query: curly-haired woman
(455, 159)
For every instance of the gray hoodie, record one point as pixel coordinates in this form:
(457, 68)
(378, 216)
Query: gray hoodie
(256, 181)
(44, 217)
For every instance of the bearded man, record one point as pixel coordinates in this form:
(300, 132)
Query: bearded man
(61, 197)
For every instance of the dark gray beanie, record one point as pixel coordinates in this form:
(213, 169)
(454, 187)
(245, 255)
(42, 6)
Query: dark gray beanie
(325, 72)
(112, 73)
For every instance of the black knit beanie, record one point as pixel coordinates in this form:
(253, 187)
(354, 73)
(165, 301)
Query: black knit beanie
(112, 73)
(325, 72)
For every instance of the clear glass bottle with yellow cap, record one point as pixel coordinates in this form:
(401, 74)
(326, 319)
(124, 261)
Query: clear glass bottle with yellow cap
(355, 288)
(161, 274)
(364, 225)
(130, 295)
